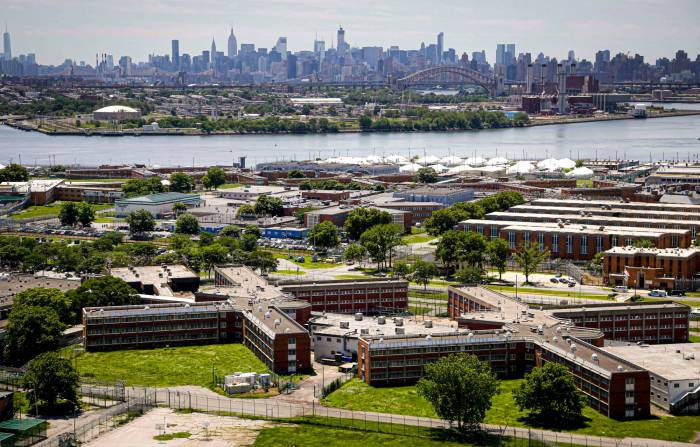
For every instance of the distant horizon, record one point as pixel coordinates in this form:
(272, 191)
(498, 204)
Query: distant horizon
(72, 29)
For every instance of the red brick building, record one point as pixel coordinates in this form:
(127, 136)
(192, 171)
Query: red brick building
(652, 268)
(369, 296)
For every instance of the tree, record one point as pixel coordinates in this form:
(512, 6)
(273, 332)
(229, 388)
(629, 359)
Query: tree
(365, 122)
(263, 260)
(460, 388)
(268, 206)
(643, 243)
(30, 331)
(550, 395)
(140, 221)
(181, 182)
(579, 163)
(214, 254)
(470, 275)
(101, 292)
(139, 187)
(498, 253)
(471, 248)
(245, 210)
(446, 252)
(324, 235)
(51, 298)
(426, 175)
(216, 177)
(68, 215)
(187, 224)
(86, 214)
(400, 270)
(179, 208)
(380, 241)
(295, 173)
(230, 231)
(52, 378)
(423, 272)
(362, 219)
(442, 221)
(14, 173)
(355, 253)
(529, 257)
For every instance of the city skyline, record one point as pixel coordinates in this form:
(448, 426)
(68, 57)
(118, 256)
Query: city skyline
(115, 29)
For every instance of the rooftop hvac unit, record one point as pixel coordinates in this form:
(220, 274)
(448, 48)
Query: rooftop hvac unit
(400, 331)
(286, 330)
(345, 325)
(620, 368)
(268, 314)
(381, 320)
(358, 316)
(277, 322)
(594, 357)
(428, 323)
(398, 322)
(364, 331)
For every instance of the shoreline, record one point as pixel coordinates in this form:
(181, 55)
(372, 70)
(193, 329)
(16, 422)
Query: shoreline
(179, 132)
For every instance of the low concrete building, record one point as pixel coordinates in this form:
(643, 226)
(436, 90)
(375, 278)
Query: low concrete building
(156, 204)
(115, 113)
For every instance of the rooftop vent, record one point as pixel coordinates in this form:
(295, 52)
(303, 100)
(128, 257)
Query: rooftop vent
(345, 325)
(358, 316)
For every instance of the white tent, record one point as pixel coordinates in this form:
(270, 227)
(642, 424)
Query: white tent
(451, 160)
(580, 173)
(566, 163)
(439, 168)
(427, 160)
(396, 158)
(374, 159)
(495, 161)
(411, 167)
(550, 164)
(475, 161)
(459, 169)
(521, 167)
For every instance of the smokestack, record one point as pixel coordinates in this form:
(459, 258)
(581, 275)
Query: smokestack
(528, 87)
(561, 79)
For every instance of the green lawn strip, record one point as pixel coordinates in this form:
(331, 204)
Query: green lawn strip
(689, 303)
(694, 338)
(51, 210)
(351, 276)
(549, 292)
(356, 395)
(308, 264)
(419, 310)
(186, 365)
(230, 185)
(171, 436)
(288, 272)
(309, 435)
(437, 283)
(428, 295)
(417, 238)
(652, 299)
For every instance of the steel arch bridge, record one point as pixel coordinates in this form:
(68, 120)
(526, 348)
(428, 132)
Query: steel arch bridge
(451, 74)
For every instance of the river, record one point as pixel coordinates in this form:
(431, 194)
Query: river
(662, 138)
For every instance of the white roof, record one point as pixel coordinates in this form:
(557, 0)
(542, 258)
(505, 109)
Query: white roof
(116, 109)
(451, 160)
(428, 159)
(582, 172)
(411, 167)
(438, 168)
(475, 161)
(497, 161)
(521, 167)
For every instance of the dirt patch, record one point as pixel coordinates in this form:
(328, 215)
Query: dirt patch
(204, 430)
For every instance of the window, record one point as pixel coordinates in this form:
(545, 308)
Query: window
(613, 241)
(628, 241)
(526, 237)
(598, 244)
(540, 241)
(494, 232)
(480, 229)
(555, 243)
(511, 240)
(569, 243)
(584, 245)
(676, 385)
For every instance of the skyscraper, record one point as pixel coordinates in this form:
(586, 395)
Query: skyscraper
(440, 46)
(7, 48)
(341, 41)
(212, 55)
(500, 53)
(175, 56)
(232, 45)
(281, 47)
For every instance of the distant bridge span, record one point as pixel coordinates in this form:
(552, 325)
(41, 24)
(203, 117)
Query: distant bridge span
(450, 74)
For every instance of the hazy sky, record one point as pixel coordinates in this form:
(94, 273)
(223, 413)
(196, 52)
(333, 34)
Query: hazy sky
(59, 29)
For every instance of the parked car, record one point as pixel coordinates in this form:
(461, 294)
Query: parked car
(658, 293)
(620, 289)
(554, 280)
(677, 293)
(301, 259)
(572, 284)
(563, 280)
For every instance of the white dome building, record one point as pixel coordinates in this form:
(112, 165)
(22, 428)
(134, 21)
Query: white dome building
(115, 113)
(580, 173)
(451, 160)
(411, 167)
(521, 167)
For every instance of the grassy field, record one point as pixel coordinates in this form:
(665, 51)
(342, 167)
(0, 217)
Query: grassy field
(51, 210)
(350, 276)
(288, 272)
(230, 185)
(356, 395)
(550, 292)
(584, 183)
(308, 264)
(187, 365)
(428, 295)
(694, 338)
(416, 238)
(419, 310)
(318, 436)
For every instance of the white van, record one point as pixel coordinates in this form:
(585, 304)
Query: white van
(658, 293)
(620, 289)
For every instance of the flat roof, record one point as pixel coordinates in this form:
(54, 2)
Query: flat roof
(163, 197)
(567, 213)
(680, 361)
(329, 324)
(613, 203)
(157, 276)
(342, 209)
(574, 228)
(658, 252)
(245, 283)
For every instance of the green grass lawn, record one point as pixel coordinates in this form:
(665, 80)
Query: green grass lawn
(350, 276)
(550, 292)
(288, 272)
(416, 238)
(438, 283)
(428, 295)
(419, 310)
(51, 210)
(308, 264)
(686, 302)
(186, 365)
(356, 395)
(694, 338)
(584, 183)
(230, 185)
(318, 436)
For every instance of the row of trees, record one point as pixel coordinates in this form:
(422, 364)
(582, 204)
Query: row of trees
(73, 213)
(460, 388)
(39, 316)
(444, 220)
(330, 185)
(270, 124)
(179, 182)
(426, 120)
(264, 206)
